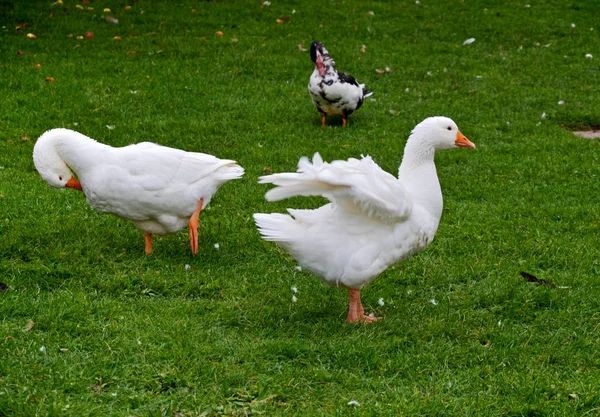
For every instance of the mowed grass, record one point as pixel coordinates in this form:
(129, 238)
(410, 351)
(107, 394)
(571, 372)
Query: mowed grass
(118, 333)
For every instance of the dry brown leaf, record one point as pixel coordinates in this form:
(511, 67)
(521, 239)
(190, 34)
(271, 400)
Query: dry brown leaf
(49, 79)
(20, 53)
(128, 7)
(267, 169)
(117, 38)
(31, 36)
(89, 35)
(29, 326)
(283, 19)
(219, 33)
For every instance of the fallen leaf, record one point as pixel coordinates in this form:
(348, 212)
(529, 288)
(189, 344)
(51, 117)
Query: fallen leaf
(130, 52)
(111, 19)
(363, 48)
(49, 79)
(106, 10)
(219, 33)
(117, 38)
(70, 35)
(79, 6)
(88, 35)
(283, 19)
(20, 53)
(31, 36)
(98, 387)
(79, 38)
(537, 280)
(128, 7)
(38, 65)
(267, 169)
(29, 326)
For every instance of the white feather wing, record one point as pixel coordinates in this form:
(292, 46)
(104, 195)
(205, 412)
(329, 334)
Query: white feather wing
(157, 167)
(357, 186)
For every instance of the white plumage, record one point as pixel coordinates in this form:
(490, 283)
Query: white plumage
(373, 220)
(159, 189)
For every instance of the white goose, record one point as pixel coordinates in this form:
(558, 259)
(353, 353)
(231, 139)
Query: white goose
(374, 219)
(160, 189)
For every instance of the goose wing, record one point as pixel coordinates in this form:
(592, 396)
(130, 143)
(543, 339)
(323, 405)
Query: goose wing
(358, 186)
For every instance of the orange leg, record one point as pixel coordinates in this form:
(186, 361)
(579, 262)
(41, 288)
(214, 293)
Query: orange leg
(193, 226)
(344, 121)
(148, 238)
(356, 313)
(323, 120)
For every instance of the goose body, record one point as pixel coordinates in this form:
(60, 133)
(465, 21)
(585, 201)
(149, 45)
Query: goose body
(373, 220)
(333, 92)
(159, 189)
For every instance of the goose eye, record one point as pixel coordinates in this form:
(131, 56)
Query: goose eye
(449, 128)
(60, 178)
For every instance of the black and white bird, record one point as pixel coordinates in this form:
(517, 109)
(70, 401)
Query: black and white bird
(333, 92)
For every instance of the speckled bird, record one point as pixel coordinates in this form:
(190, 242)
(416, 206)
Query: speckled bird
(333, 92)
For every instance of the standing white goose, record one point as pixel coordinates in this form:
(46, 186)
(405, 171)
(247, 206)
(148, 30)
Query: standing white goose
(159, 189)
(374, 219)
(333, 92)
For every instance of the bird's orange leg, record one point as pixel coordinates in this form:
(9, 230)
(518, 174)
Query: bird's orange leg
(148, 238)
(356, 313)
(344, 121)
(193, 226)
(323, 120)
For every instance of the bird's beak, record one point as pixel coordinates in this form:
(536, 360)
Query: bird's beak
(74, 184)
(463, 142)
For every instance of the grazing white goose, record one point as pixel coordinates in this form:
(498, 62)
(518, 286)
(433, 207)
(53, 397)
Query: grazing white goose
(333, 92)
(374, 219)
(159, 189)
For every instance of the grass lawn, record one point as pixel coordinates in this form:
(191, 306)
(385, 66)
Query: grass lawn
(118, 333)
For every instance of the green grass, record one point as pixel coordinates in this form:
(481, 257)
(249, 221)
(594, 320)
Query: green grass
(133, 335)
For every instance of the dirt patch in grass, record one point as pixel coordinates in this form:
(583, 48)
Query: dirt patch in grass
(583, 129)
(588, 134)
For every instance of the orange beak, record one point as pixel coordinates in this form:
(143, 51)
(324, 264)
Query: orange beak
(74, 184)
(463, 142)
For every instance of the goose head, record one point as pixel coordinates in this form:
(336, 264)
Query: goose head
(441, 133)
(50, 165)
